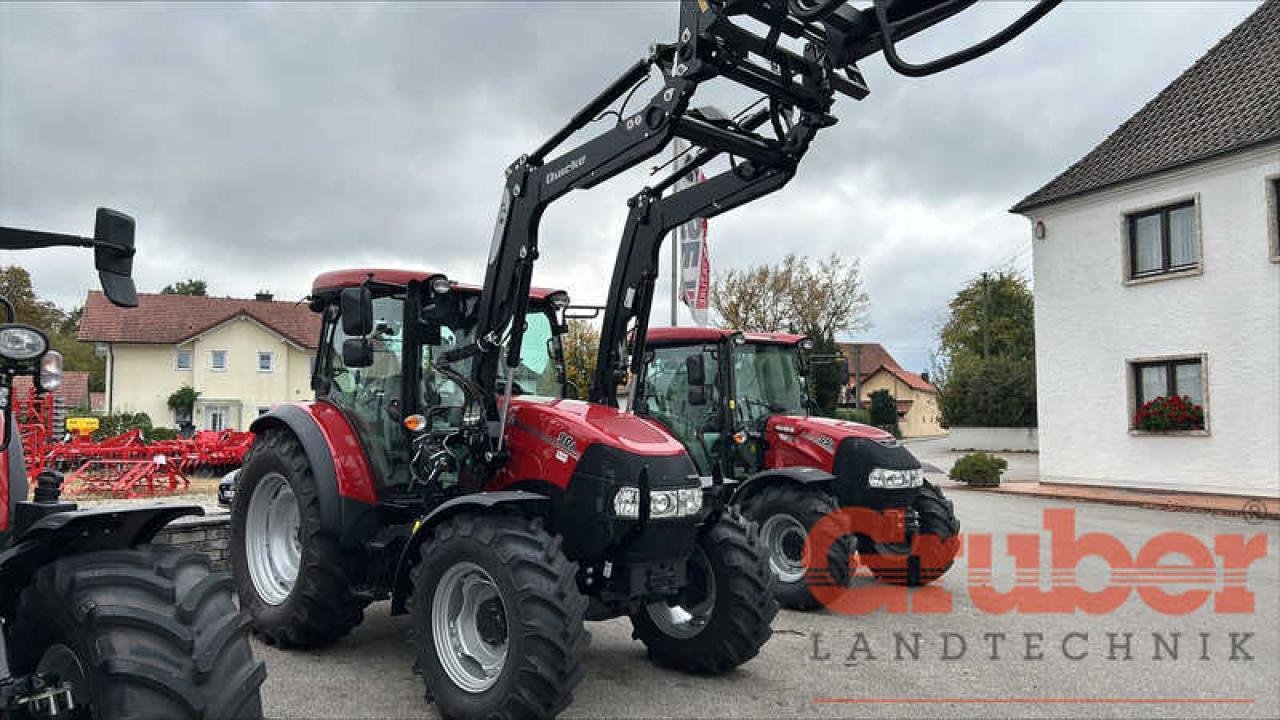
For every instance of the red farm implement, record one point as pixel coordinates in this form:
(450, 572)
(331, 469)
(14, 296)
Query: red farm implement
(126, 465)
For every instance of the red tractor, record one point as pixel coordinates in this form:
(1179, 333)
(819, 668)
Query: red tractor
(385, 487)
(96, 622)
(738, 401)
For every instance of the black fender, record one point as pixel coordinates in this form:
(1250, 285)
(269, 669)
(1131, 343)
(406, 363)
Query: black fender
(79, 531)
(792, 475)
(351, 522)
(482, 502)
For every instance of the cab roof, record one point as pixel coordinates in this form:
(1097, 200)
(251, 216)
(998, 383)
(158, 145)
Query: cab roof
(689, 335)
(353, 277)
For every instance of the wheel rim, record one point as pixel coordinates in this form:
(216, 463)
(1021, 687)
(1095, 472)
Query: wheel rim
(62, 662)
(684, 619)
(784, 538)
(273, 543)
(469, 627)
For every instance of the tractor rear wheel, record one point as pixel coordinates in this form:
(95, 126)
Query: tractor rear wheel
(722, 617)
(293, 579)
(497, 618)
(147, 632)
(931, 559)
(786, 515)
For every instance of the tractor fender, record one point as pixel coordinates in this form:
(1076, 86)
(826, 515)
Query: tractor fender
(401, 586)
(790, 475)
(78, 531)
(348, 505)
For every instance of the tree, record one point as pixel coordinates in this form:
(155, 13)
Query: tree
(819, 299)
(192, 286)
(60, 326)
(986, 366)
(580, 345)
(884, 411)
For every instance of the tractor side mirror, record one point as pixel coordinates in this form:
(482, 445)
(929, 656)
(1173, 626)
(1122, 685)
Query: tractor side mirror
(696, 367)
(113, 256)
(357, 352)
(357, 312)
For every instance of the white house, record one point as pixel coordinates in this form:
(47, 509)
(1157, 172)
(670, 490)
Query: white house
(1157, 273)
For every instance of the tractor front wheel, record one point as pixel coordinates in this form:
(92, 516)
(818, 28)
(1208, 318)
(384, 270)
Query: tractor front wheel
(786, 515)
(497, 618)
(147, 632)
(935, 548)
(722, 617)
(293, 578)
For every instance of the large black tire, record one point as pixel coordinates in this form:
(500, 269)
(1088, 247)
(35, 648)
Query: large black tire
(741, 602)
(541, 621)
(321, 606)
(803, 505)
(937, 519)
(141, 633)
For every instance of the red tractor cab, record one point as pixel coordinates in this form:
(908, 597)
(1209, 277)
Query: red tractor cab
(385, 487)
(739, 402)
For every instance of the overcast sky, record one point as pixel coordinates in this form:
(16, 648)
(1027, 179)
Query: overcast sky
(260, 144)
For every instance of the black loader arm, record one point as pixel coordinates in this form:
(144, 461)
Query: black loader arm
(830, 36)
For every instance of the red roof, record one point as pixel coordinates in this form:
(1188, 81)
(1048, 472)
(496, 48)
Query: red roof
(869, 358)
(352, 277)
(685, 335)
(74, 391)
(171, 319)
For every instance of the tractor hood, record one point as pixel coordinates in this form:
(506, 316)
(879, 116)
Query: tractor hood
(812, 441)
(588, 423)
(835, 430)
(555, 441)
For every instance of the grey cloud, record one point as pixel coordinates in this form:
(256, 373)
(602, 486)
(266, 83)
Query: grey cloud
(258, 144)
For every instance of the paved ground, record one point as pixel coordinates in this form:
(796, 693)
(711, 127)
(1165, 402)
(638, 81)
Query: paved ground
(933, 452)
(369, 674)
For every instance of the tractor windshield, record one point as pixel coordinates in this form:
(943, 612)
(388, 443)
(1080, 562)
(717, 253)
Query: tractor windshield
(768, 382)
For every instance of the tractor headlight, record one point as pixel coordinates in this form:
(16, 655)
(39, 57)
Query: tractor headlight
(51, 371)
(894, 479)
(682, 502)
(19, 342)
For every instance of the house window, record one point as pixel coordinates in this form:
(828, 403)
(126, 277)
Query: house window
(1164, 240)
(218, 360)
(217, 417)
(266, 361)
(1169, 377)
(182, 360)
(1273, 216)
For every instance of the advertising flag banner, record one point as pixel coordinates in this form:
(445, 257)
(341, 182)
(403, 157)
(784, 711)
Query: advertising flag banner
(691, 240)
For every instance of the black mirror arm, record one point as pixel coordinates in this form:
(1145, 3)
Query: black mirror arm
(12, 238)
(960, 57)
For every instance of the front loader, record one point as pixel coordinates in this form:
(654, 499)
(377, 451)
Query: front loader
(95, 621)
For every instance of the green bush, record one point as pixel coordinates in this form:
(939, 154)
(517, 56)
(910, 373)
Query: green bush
(161, 433)
(111, 425)
(857, 415)
(979, 470)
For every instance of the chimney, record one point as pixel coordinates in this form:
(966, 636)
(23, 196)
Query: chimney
(925, 376)
(263, 296)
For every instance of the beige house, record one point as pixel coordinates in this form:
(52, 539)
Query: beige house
(872, 368)
(241, 356)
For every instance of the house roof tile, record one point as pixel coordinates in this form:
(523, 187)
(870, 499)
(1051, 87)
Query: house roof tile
(1229, 100)
(171, 319)
(73, 393)
(869, 358)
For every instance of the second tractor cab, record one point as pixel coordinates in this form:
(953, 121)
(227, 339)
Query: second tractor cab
(738, 401)
(386, 487)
